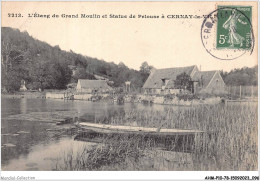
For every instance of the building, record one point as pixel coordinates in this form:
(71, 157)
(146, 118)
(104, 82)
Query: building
(209, 82)
(90, 86)
(161, 81)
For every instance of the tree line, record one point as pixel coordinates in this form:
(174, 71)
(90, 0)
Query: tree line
(244, 76)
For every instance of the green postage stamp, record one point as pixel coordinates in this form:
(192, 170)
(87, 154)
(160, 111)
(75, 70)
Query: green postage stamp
(234, 27)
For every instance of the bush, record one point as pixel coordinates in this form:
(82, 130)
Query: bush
(96, 98)
(121, 98)
(169, 96)
(133, 97)
(187, 97)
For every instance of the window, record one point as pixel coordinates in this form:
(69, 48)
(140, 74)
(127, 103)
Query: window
(165, 81)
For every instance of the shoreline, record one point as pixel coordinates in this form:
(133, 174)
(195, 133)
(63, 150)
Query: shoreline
(29, 95)
(128, 98)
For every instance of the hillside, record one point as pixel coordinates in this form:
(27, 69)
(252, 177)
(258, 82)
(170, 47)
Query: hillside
(47, 67)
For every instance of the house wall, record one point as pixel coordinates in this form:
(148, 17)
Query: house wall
(172, 91)
(54, 95)
(160, 91)
(146, 91)
(216, 85)
(82, 96)
(78, 87)
(93, 90)
(153, 91)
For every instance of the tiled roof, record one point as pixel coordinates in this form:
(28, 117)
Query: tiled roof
(93, 84)
(204, 77)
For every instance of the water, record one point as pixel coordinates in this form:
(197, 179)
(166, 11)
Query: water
(27, 145)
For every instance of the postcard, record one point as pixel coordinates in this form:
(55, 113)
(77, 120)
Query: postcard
(129, 86)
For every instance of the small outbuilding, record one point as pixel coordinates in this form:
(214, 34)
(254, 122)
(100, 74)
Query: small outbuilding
(90, 86)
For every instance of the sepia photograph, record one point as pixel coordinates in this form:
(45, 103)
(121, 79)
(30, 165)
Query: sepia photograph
(129, 86)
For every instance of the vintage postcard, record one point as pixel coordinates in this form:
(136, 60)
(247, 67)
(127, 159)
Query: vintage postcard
(129, 86)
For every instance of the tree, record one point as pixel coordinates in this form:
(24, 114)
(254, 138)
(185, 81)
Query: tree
(145, 70)
(39, 75)
(11, 81)
(183, 81)
(245, 76)
(13, 67)
(62, 75)
(50, 75)
(121, 65)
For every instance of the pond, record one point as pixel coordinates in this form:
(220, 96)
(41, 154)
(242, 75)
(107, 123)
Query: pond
(27, 145)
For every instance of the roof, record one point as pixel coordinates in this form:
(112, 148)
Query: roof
(93, 84)
(204, 76)
(154, 81)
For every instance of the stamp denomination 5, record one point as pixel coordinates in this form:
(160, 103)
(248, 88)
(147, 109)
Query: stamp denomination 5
(227, 33)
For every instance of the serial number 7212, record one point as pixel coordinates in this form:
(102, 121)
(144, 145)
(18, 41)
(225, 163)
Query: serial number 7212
(15, 15)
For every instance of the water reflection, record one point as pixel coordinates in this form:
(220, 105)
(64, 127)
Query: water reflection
(26, 144)
(21, 134)
(23, 106)
(43, 157)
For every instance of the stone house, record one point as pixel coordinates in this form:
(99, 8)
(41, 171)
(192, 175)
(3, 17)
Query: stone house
(161, 81)
(91, 86)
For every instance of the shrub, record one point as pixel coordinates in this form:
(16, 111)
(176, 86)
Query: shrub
(187, 97)
(169, 96)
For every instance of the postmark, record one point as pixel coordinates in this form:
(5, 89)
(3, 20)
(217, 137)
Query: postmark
(227, 32)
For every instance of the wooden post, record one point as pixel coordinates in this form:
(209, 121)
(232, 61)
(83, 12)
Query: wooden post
(240, 91)
(252, 91)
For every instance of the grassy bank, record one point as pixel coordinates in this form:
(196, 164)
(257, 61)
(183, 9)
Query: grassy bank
(234, 148)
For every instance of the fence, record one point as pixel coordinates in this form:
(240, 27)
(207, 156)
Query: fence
(242, 91)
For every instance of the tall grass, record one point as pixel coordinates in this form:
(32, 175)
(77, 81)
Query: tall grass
(234, 146)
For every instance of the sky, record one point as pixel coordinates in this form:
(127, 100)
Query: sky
(162, 42)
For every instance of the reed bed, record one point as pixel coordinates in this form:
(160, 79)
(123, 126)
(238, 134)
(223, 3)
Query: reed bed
(234, 147)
